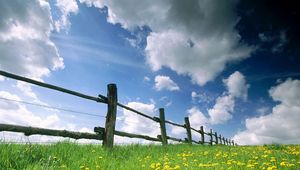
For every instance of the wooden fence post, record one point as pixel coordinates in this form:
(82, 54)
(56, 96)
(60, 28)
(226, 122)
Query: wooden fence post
(202, 134)
(211, 137)
(220, 139)
(226, 141)
(216, 136)
(112, 100)
(188, 130)
(162, 123)
(223, 141)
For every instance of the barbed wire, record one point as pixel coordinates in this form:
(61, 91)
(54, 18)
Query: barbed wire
(51, 107)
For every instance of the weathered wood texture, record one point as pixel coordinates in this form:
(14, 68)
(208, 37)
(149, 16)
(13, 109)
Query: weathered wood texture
(49, 86)
(163, 131)
(129, 135)
(202, 134)
(175, 139)
(27, 130)
(175, 124)
(211, 137)
(110, 123)
(216, 138)
(188, 130)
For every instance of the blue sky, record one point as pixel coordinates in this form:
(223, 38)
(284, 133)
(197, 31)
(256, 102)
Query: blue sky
(232, 66)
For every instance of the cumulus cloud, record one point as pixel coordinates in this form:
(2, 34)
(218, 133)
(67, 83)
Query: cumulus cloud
(195, 38)
(134, 123)
(279, 126)
(236, 85)
(25, 44)
(66, 7)
(223, 108)
(202, 97)
(165, 82)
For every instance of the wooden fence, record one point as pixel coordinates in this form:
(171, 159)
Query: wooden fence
(107, 133)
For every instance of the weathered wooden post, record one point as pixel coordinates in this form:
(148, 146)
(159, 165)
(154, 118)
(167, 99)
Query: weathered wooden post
(112, 100)
(223, 141)
(202, 134)
(216, 137)
(220, 139)
(211, 137)
(162, 123)
(188, 130)
(226, 141)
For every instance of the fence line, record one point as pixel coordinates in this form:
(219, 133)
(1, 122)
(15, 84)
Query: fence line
(49, 86)
(107, 133)
(28, 131)
(51, 107)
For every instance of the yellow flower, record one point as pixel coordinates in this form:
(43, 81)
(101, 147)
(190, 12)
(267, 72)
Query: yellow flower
(152, 165)
(289, 165)
(185, 164)
(282, 164)
(177, 167)
(272, 168)
(250, 166)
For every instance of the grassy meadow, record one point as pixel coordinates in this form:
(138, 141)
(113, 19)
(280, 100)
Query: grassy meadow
(87, 157)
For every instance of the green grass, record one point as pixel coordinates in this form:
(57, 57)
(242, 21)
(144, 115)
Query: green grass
(73, 156)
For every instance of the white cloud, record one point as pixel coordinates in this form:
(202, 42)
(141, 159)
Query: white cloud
(66, 7)
(236, 85)
(282, 40)
(202, 97)
(279, 126)
(14, 113)
(222, 110)
(165, 82)
(236, 88)
(29, 27)
(146, 78)
(197, 118)
(18, 114)
(195, 38)
(262, 110)
(134, 123)
(194, 95)
(2, 78)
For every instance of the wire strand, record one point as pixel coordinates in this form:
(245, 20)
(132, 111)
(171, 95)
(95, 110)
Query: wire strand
(51, 107)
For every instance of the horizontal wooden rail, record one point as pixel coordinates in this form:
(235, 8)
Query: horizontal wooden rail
(49, 86)
(196, 142)
(41, 131)
(137, 112)
(129, 135)
(175, 139)
(175, 124)
(195, 129)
